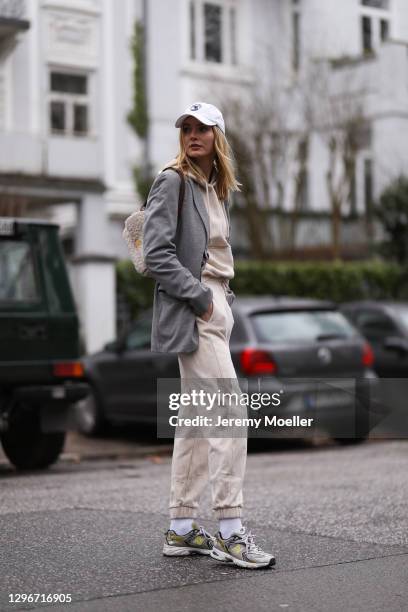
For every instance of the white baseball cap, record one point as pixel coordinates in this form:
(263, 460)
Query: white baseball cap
(206, 113)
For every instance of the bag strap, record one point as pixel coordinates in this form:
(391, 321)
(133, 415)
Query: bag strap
(182, 189)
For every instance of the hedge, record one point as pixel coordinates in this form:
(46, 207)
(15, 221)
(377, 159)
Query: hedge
(338, 281)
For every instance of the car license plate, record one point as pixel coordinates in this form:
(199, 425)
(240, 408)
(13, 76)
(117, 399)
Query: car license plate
(7, 227)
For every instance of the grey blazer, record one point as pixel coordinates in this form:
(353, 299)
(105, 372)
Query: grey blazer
(175, 254)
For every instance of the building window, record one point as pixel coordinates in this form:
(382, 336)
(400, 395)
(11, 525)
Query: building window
(68, 83)
(366, 31)
(385, 29)
(57, 116)
(213, 31)
(378, 4)
(375, 24)
(80, 119)
(69, 104)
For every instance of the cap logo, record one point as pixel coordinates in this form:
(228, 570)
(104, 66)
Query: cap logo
(195, 107)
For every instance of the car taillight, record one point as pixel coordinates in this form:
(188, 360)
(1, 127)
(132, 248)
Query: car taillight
(255, 362)
(69, 369)
(367, 358)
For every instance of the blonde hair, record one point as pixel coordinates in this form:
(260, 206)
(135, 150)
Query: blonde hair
(226, 180)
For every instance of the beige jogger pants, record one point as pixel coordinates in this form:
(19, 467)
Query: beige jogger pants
(196, 460)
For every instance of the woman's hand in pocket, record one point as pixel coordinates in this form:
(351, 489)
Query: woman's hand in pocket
(208, 313)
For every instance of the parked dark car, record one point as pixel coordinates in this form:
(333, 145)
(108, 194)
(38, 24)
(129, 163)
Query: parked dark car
(275, 343)
(41, 376)
(385, 325)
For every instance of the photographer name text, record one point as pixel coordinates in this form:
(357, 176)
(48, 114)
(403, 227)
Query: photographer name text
(273, 421)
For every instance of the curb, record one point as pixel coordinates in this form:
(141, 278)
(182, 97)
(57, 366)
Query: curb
(141, 453)
(153, 453)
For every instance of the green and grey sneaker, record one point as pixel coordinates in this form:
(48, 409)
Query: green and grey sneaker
(241, 549)
(196, 542)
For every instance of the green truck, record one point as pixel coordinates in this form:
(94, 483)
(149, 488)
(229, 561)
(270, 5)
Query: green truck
(41, 376)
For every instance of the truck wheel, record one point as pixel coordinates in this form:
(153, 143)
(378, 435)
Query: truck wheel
(27, 447)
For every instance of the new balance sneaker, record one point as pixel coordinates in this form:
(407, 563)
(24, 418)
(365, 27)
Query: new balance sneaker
(197, 541)
(241, 549)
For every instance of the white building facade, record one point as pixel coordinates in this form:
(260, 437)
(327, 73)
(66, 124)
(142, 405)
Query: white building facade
(66, 152)
(224, 49)
(66, 148)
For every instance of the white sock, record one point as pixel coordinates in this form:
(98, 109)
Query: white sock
(181, 525)
(229, 526)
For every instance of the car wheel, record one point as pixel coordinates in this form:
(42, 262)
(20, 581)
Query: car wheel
(27, 447)
(89, 416)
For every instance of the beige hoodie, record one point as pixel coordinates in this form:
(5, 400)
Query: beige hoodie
(220, 263)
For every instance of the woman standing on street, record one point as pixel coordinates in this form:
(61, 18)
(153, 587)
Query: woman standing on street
(189, 256)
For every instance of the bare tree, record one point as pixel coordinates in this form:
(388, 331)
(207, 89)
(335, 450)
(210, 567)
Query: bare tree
(335, 112)
(248, 140)
(265, 147)
(271, 128)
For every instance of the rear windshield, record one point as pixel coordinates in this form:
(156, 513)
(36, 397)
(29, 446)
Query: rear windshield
(17, 275)
(301, 326)
(402, 313)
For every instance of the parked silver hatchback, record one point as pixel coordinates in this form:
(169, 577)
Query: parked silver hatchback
(304, 350)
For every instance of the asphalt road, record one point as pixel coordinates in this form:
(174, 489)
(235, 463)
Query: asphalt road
(336, 519)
